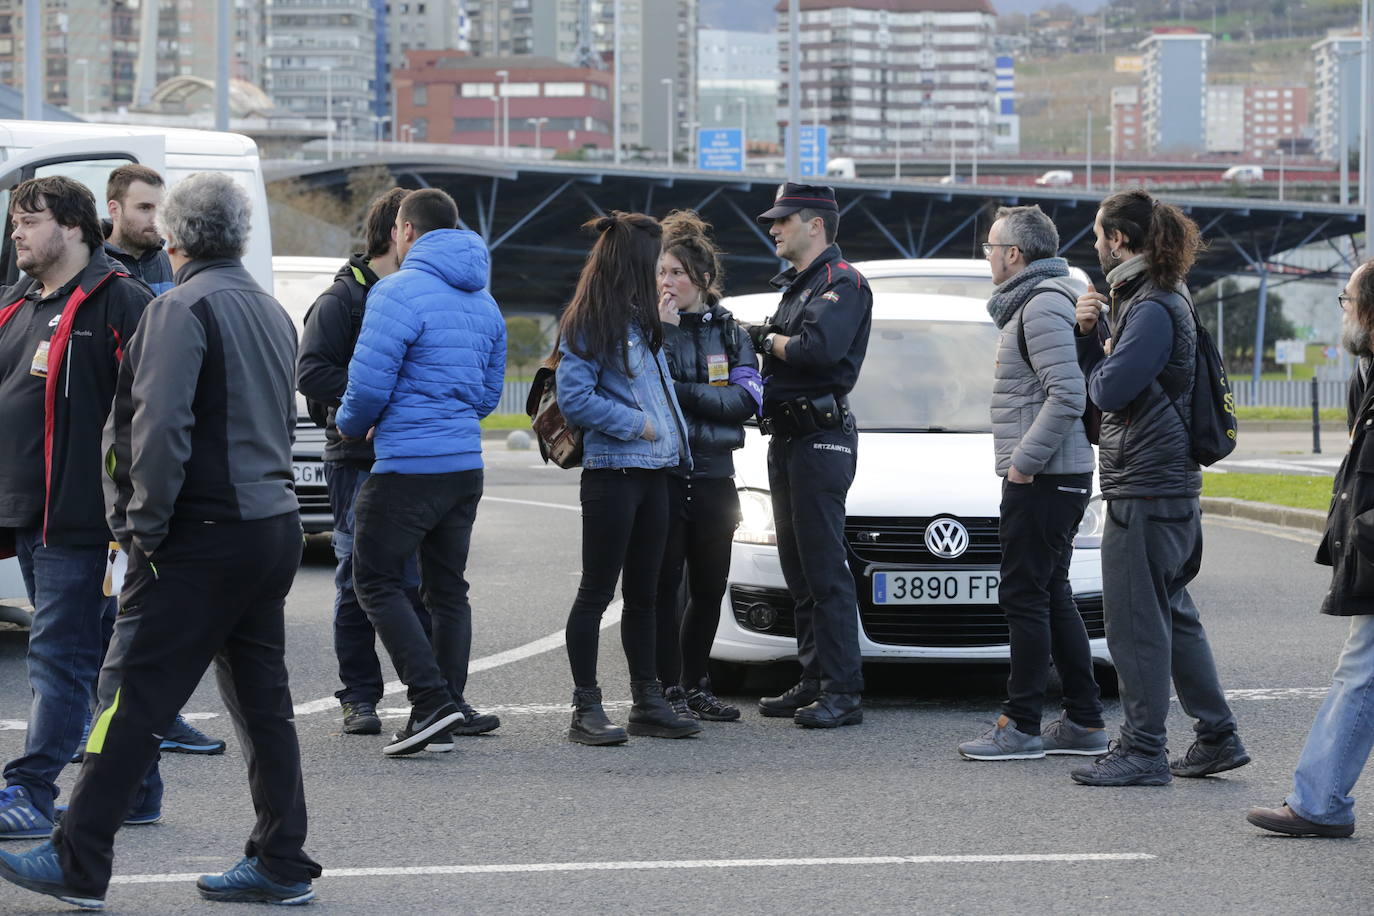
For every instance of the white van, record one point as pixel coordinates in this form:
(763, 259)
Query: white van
(88, 153)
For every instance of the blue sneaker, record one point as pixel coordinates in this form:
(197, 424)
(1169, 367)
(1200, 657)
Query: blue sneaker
(184, 738)
(19, 819)
(39, 871)
(246, 883)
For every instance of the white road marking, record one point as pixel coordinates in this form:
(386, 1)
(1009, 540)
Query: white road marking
(1311, 538)
(1319, 465)
(518, 868)
(1279, 693)
(531, 502)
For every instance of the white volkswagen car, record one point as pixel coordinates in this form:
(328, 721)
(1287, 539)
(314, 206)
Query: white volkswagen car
(921, 525)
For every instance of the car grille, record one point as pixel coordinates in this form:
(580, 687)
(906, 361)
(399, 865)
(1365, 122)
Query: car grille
(888, 543)
(901, 541)
(778, 620)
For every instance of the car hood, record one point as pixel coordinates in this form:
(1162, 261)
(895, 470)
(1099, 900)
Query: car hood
(904, 474)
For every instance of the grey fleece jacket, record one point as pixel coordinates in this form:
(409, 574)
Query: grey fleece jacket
(204, 409)
(1037, 410)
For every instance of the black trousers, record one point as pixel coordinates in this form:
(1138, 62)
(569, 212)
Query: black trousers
(624, 528)
(702, 517)
(810, 477)
(211, 592)
(394, 516)
(1036, 531)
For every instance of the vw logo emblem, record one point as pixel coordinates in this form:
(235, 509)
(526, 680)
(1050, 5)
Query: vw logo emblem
(946, 538)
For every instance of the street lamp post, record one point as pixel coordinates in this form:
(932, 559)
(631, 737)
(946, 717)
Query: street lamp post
(667, 81)
(1088, 166)
(816, 165)
(537, 122)
(615, 88)
(328, 113)
(1111, 168)
(1280, 174)
(504, 76)
(897, 159)
(496, 122)
(743, 131)
(949, 114)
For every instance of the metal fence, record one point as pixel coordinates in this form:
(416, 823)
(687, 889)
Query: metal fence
(1283, 393)
(514, 394)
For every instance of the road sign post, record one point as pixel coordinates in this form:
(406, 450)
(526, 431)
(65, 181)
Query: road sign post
(815, 149)
(720, 149)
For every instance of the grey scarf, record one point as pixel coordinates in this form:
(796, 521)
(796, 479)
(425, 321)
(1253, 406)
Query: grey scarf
(1128, 269)
(1015, 291)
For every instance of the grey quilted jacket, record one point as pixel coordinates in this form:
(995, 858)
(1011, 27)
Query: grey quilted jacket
(1037, 412)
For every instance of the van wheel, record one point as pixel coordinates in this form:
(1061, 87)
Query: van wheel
(726, 677)
(1107, 682)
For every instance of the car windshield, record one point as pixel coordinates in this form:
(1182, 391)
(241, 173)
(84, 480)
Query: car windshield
(927, 375)
(974, 287)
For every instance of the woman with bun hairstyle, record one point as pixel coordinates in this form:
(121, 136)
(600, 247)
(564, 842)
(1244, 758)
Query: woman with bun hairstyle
(718, 386)
(613, 382)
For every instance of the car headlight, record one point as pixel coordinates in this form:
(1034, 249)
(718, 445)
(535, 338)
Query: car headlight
(756, 518)
(1089, 535)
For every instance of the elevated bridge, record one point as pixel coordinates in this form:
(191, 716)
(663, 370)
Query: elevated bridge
(529, 213)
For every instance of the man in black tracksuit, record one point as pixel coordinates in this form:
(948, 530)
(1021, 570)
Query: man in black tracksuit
(813, 348)
(331, 330)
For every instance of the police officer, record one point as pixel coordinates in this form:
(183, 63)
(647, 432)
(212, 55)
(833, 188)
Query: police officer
(812, 348)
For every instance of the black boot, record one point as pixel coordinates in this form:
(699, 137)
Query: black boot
(589, 722)
(806, 692)
(652, 715)
(831, 710)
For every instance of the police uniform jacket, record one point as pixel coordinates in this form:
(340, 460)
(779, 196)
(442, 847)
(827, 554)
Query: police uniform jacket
(827, 310)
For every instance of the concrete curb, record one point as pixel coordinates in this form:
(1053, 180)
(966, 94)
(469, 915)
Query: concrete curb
(1285, 516)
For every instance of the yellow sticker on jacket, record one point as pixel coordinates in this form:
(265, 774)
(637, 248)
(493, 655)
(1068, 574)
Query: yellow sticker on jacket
(718, 369)
(39, 366)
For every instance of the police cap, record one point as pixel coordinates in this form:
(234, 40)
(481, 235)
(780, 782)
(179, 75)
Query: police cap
(793, 197)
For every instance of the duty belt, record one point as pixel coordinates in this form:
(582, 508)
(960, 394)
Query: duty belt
(802, 416)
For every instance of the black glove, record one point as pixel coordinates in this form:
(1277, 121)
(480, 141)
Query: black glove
(757, 332)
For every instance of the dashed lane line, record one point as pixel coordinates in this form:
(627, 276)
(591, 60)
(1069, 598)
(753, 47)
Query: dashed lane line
(518, 868)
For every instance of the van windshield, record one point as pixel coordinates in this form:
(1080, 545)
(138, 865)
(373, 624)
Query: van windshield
(933, 376)
(974, 287)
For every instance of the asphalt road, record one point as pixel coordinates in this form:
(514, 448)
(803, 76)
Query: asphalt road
(755, 816)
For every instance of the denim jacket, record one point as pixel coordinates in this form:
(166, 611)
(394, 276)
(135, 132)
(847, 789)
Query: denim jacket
(613, 408)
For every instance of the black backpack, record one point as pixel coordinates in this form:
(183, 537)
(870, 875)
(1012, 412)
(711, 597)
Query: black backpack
(1212, 427)
(319, 410)
(1092, 414)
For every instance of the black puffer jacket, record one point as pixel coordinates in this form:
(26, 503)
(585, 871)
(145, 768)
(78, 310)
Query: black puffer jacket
(1348, 545)
(715, 413)
(331, 331)
(1144, 448)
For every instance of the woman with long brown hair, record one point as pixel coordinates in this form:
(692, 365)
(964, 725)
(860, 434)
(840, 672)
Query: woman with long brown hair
(613, 383)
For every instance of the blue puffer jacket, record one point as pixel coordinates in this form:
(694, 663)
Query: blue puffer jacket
(613, 408)
(430, 360)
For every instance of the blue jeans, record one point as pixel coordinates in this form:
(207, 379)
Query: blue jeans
(1342, 735)
(355, 641)
(72, 622)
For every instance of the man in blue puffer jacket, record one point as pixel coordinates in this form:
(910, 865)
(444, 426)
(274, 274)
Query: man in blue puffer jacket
(429, 364)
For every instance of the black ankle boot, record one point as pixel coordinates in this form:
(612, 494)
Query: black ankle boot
(589, 722)
(804, 693)
(652, 715)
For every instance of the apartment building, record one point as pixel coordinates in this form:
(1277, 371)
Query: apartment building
(322, 62)
(1174, 91)
(1127, 124)
(882, 72)
(1338, 94)
(448, 97)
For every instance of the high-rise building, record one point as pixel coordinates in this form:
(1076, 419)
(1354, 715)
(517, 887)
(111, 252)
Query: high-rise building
(878, 73)
(1126, 121)
(1226, 119)
(658, 40)
(737, 82)
(89, 49)
(1174, 91)
(322, 62)
(1006, 132)
(1338, 90)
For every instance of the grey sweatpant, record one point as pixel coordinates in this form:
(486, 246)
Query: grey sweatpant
(1151, 550)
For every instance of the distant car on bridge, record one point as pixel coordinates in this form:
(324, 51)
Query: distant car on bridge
(1055, 178)
(1243, 174)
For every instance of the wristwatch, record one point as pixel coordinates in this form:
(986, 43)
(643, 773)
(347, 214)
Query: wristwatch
(768, 343)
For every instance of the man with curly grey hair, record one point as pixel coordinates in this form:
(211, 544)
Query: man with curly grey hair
(197, 453)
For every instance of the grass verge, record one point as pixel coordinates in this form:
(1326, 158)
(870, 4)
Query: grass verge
(506, 421)
(1298, 491)
(1334, 414)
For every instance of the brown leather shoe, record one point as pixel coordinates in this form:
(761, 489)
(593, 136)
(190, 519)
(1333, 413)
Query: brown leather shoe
(1288, 822)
